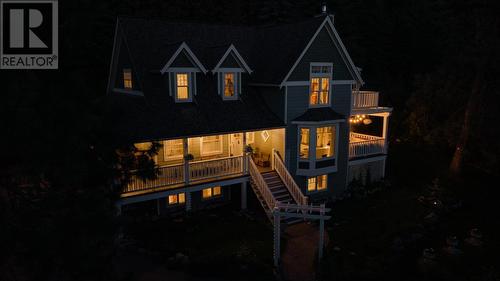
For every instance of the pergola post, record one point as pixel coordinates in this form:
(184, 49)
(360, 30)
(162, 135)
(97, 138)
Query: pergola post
(277, 238)
(186, 161)
(244, 195)
(321, 232)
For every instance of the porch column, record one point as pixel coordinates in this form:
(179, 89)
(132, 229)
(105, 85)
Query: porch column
(321, 232)
(277, 238)
(186, 161)
(245, 154)
(118, 209)
(188, 201)
(244, 195)
(384, 132)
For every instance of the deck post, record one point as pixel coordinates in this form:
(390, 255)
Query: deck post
(245, 154)
(188, 201)
(272, 158)
(384, 132)
(277, 238)
(244, 195)
(118, 209)
(321, 232)
(186, 161)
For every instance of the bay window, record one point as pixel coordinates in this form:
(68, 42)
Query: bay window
(325, 141)
(304, 143)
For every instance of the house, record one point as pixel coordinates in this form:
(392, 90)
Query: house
(276, 110)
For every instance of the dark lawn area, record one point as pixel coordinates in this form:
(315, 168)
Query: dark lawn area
(382, 236)
(222, 243)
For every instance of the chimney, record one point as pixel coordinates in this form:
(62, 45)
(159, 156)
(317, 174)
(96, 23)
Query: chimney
(323, 8)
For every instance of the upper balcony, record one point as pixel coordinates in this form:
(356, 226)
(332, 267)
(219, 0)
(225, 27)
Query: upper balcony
(366, 102)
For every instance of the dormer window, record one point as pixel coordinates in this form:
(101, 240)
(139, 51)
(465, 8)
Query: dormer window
(127, 78)
(182, 91)
(321, 75)
(230, 86)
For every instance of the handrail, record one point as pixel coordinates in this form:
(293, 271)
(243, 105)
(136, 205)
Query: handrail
(288, 180)
(261, 184)
(363, 148)
(364, 136)
(364, 99)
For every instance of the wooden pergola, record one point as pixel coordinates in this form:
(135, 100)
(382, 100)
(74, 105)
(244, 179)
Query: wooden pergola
(305, 212)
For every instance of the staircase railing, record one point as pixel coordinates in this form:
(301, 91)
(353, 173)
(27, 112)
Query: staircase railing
(288, 180)
(261, 184)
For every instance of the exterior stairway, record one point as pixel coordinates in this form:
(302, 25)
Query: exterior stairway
(280, 194)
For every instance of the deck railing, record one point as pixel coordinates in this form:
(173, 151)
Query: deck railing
(364, 99)
(261, 184)
(288, 180)
(215, 168)
(365, 145)
(197, 171)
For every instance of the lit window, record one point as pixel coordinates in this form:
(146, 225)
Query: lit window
(211, 145)
(229, 85)
(173, 149)
(320, 84)
(127, 78)
(317, 183)
(211, 192)
(250, 137)
(304, 143)
(325, 142)
(177, 199)
(182, 93)
(143, 146)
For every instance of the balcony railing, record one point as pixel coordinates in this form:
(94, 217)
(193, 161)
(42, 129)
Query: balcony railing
(364, 145)
(364, 99)
(197, 171)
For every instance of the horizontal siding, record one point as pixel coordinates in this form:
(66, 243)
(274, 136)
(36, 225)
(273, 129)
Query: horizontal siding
(323, 49)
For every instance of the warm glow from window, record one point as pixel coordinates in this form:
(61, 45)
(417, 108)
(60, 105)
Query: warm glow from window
(182, 86)
(207, 193)
(173, 149)
(265, 135)
(320, 89)
(177, 199)
(127, 78)
(317, 183)
(311, 184)
(325, 142)
(304, 143)
(216, 191)
(211, 192)
(211, 145)
(250, 137)
(143, 146)
(229, 85)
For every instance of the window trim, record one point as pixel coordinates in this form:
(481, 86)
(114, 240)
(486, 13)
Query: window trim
(172, 158)
(129, 72)
(321, 75)
(316, 190)
(221, 82)
(177, 202)
(313, 144)
(212, 196)
(189, 87)
(221, 146)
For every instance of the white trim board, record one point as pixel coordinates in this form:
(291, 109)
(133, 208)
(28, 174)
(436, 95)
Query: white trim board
(366, 160)
(183, 47)
(238, 56)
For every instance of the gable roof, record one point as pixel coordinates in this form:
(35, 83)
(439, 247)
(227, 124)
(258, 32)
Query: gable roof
(183, 47)
(232, 50)
(340, 47)
(270, 50)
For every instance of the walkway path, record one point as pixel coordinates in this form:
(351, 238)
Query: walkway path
(301, 250)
